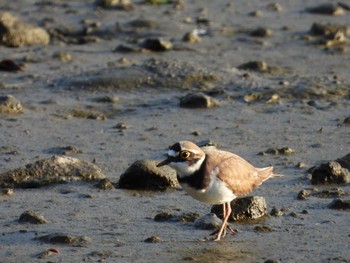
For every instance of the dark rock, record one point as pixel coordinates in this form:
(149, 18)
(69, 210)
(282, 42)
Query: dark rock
(32, 217)
(261, 32)
(157, 44)
(65, 150)
(347, 120)
(188, 217)
(105, 184)
(327, 9)
(57, 169)
(334, 172)
(250, 207)
(153, 239)
(303, 194)
(340, 204)
(208, 222)
(126, 49)
(263, 229)
(276, 212)
(320, 29)
(275, 151)
(10, 65)
(144, 175)
(254, 65)
(115, 4)
(10, 105)
(163, 216)
(59, 238)
(15, 33)
(272, 261)
(197, 100)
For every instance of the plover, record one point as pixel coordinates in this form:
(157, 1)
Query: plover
(214, 176)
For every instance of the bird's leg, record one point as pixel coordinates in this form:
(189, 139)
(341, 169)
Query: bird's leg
(226, 214)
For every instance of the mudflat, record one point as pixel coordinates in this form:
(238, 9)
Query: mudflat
(112, 82)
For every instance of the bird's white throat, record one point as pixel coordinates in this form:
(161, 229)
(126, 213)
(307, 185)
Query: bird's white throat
(183, 169)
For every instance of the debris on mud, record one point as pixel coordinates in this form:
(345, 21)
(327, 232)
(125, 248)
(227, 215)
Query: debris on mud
(245, 208)
(275, 151)
(57, 169)
(145, 175)
(328, 193)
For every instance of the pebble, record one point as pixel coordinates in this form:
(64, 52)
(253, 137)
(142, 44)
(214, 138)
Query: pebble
(163, 216)
(197, 100)
(263, 229)
(153, 239)
(157, 44)
(261, 32)
(10, 105)
(144, 175)
(10, 65)
(32, 217)
(192, 37)
(276, 151)
(327, 9)
(105, 184)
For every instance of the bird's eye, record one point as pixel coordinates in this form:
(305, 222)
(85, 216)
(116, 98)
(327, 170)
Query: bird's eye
(185, 154)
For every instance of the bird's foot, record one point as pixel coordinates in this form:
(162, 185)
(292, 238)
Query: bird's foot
(215, 235)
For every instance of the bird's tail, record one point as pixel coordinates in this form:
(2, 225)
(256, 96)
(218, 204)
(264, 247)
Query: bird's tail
(266, 173)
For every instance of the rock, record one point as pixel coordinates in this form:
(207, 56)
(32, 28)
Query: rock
(334, 172)
(263, 229)
(59, 238)
(10, 105)
(272, 261)
(192, 37)
(327, 9)
(303, 194)
(328, 193)
(105, 184)
(188, 217)
(117, 4)
(340, 204)
(10, 65)
(65, 150)
(250, 207)
(87, 114)
(48, 253)
(157, 44)
(7, 191)
(275, 151)
(143, 174)
(255, 66)
(276, 212)
(261, 32)
(347, 121)
(32, 217)
(320, 29)
(153, 239)
(163, 216)
(197, 100)
(15, 33)
(57, 169)
(208, 222)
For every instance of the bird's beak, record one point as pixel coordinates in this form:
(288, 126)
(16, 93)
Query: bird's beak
(165, 162)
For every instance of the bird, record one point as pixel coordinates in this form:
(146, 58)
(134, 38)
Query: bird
(214, 176)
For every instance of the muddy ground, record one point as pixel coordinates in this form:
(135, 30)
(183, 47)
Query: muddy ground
(97, 86)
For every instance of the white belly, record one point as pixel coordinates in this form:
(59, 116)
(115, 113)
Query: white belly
(216, 193)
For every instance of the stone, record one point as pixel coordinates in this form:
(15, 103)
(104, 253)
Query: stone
(10, 66)
(144, 175)
(157, 44)
(57, 169)
(208, 222)
(163, 216)
(153, 239)
(333, 172)
(197, 100)
(60, 238)
(32, 217)
(105, 184)
(10, 105)
(327, 9)
(276, 151)
(340, 204)
(244, 208)
(15, 33)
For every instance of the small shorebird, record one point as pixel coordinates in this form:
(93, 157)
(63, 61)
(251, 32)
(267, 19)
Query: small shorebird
(214, 176)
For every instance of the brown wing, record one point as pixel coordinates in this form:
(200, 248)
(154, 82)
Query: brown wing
(237, 173)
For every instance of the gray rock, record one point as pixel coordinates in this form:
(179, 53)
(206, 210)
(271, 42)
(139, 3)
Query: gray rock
(57, 169)
(208, 222)
(144, 175)
(340, 204)
(10, 105)
(157, 44)
(250, 207)
(334, 172)
(59, 238)
(32, 217)
(197, 100)
(105, 184)
(15, 33)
